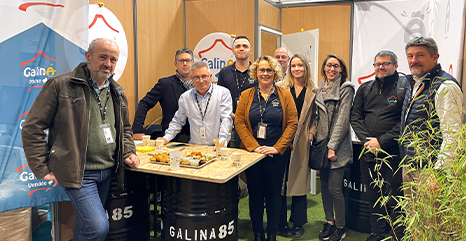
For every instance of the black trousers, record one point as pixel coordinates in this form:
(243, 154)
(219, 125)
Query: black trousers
(298, 207)
(391, 187)
(264, 183)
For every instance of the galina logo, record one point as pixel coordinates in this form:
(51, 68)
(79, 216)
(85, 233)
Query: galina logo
(38, 74)
(215, 50)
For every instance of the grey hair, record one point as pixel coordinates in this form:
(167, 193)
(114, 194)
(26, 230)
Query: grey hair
(182, 51)
(427, 42)
(384, 53)
(199, 65)
(93, 42)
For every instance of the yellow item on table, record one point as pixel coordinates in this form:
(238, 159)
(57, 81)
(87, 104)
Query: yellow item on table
(144, 148)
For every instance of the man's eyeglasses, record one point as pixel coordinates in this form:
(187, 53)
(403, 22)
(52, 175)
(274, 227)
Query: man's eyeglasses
(384, 64)
(204, 78)
(335, 66)
(182, 61)
(266, 71)
(281, 57)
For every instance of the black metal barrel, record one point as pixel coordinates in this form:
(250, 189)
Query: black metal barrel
(356, 198)
(198, 210)
(128, 210)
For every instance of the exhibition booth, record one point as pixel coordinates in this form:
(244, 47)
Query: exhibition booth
(52, 37)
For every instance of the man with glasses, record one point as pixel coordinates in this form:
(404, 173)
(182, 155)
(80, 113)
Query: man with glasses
(281, 54)
(236, 77)
(167, 91)
(208, 108)
(375, 118)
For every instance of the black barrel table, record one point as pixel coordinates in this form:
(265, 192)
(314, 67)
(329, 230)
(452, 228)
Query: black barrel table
(199, 204)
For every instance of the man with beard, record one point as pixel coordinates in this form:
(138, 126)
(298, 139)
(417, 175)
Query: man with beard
(167, 91)
(236, 77)
(434, 96)
(375, 118)
(90, 138)
(281, 54)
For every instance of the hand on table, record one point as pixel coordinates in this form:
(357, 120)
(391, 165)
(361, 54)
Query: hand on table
(164, 140)
(132, 161)
(137, 136)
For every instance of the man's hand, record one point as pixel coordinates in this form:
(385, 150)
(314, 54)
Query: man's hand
(233, 116)
(138, 136)
(372, 144)
(311, 137)
(51, 177)
(331, 155)
(164, 140)
(132, 161)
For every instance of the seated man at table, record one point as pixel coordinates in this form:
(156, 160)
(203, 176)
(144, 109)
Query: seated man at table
(208, 108)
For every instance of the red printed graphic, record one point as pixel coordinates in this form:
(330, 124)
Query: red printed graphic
(211, 47)
(24, 6)
(46, 188)
(21, 167)
(103, 19)
(36, 86)
(37, 55)
(25, 113)
(365, 77)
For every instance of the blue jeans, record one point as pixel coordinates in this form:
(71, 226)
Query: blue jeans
(88, 201)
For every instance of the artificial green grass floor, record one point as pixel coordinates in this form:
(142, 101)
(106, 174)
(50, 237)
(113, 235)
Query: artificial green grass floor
(315, 216)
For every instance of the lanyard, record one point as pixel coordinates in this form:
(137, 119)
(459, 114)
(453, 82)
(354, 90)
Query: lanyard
(199, 106)
(240, 87)
(103, 111)
(262, 111)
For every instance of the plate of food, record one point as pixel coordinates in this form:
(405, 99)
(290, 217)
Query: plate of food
(193, 159)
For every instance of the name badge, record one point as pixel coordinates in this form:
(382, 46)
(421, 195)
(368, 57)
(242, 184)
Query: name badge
(237, 101)
(107, 133)
(251, 81)
(261, 130)
(202, 132)
(275, 103)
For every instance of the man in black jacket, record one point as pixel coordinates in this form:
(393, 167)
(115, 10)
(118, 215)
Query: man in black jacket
(236, 77)
(375, 118)
(167, 91)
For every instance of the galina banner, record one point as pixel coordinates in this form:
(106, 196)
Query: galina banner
(38, 40)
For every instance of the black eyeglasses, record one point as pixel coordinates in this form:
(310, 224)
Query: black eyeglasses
(182, 61)
(384, 64)
(203, 77)
(335, 66)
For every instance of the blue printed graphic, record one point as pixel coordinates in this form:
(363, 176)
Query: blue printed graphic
(27, 61)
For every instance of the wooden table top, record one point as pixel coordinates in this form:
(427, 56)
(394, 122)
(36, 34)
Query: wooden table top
(217, 171)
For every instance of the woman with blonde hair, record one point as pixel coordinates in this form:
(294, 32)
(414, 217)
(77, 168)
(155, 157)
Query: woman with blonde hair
(266, 121)
(297, 179)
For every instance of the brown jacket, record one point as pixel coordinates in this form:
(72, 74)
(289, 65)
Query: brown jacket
(289, 121)
(63, 107)
(299, 173)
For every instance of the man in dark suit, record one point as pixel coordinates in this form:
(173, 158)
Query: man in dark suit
(167, 91)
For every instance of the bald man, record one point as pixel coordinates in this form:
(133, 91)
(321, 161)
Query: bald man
(281, 54)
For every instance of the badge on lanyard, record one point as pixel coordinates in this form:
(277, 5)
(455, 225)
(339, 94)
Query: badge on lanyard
(107, 133)
(202, 132)
(237, 101)
(251, 80)
(261, 130)
(275, 103)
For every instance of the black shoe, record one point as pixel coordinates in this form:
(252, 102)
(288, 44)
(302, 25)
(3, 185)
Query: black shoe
(271, 237)
(259, 236)
(298, 231)
(285, 231)
(326, 232)
(338, 234)
(375, 237)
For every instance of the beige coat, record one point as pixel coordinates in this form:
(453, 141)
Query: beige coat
(299, 173)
